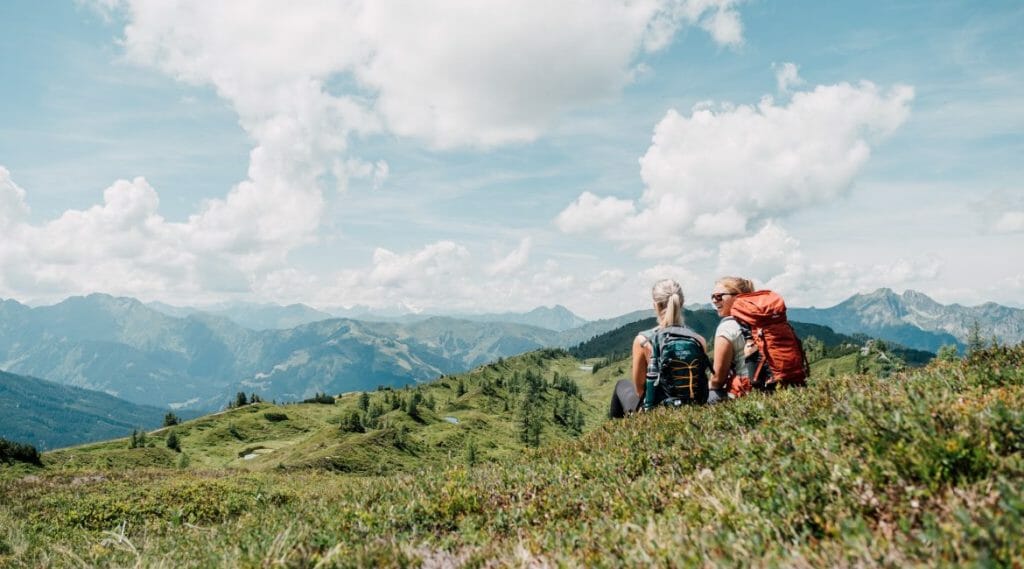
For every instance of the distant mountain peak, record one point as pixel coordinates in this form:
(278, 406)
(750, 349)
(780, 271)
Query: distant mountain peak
(556, 309)
(915, 319)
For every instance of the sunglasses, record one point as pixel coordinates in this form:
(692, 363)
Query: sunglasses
(717, 297)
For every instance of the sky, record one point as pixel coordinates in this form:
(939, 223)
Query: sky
(466, 156)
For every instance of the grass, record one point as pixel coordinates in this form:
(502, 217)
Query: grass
(921, 468)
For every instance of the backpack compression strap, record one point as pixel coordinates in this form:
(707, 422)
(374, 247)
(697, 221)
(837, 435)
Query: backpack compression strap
(681, 331)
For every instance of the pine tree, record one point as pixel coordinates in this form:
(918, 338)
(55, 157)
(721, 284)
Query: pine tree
(172, 442)
(240, 399)
(471, 452)
(353, 423)
(413, 409)
(975, 342)
(170, 419)
(364, 401)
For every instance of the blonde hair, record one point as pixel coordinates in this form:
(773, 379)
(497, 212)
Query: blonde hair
(668, 299)
(735, 285)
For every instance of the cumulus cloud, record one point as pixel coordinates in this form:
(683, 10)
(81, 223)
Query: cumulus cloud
(444, 276)
(447, 72)
(681, 274)
(512, 262)
(724, 167)
(13, 208)
(590, 212)
(999, 212)
(353, 168)
(435, 263)
(804, 283)
(787, 75)
(761, 256)
(772, 258)
(607, 280)
(304, 80)
(1009, 222)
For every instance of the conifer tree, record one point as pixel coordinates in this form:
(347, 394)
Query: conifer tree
(975, 342)
(172, 442)
(471, 452)
(170, 419)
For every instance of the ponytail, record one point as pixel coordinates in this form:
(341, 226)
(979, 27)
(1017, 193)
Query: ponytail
(668, 298)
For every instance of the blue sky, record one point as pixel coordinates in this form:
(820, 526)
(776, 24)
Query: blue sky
(452, 157)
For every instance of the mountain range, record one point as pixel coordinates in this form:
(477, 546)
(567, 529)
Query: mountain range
(266, 316)
(915, 320)
(152, 355)
(124, 348)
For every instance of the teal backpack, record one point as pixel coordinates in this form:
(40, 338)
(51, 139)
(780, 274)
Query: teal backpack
(682, 368)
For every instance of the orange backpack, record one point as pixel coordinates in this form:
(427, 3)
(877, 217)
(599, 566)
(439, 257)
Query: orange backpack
(782, 359)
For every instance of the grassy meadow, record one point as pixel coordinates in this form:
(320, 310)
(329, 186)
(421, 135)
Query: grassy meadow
(923, 467)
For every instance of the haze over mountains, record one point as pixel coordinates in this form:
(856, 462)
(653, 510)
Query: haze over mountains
(276, 317)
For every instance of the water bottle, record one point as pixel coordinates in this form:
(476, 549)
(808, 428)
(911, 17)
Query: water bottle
(652, 382)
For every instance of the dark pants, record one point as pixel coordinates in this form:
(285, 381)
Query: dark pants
(624, 399)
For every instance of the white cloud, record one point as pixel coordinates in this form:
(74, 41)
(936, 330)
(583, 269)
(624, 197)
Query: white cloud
(436, 263)
(714, 172)
(607, 280)
(760, 256)
(590, 212)
(805, 284)
(787, 75)
(1009, 222)
(452, 72)
(512, 262)
(445, 277)
(13, 208)
(304, 79)
(772, 258)
(999, 212)
(724, 25)
(686, 278)
(353, 168)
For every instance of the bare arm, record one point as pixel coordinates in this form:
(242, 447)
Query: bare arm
(723, 362)
(641, 351)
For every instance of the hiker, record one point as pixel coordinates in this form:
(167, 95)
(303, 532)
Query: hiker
(731, 376)
(629, 394)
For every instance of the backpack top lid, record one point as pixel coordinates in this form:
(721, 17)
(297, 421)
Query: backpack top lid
(759, 308)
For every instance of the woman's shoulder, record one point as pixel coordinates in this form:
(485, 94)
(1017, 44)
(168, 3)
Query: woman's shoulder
(728, 327)
(648, 334)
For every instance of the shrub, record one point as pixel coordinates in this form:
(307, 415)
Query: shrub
(172, 442)
(321, 398)
(275, 416)
(11, 452)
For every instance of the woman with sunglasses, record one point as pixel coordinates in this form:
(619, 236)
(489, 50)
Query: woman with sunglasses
(730, 345)
(667, 296)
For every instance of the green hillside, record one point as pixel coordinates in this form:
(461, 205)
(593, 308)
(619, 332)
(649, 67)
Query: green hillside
(925, 467)
(492, 409)
(50, 415)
